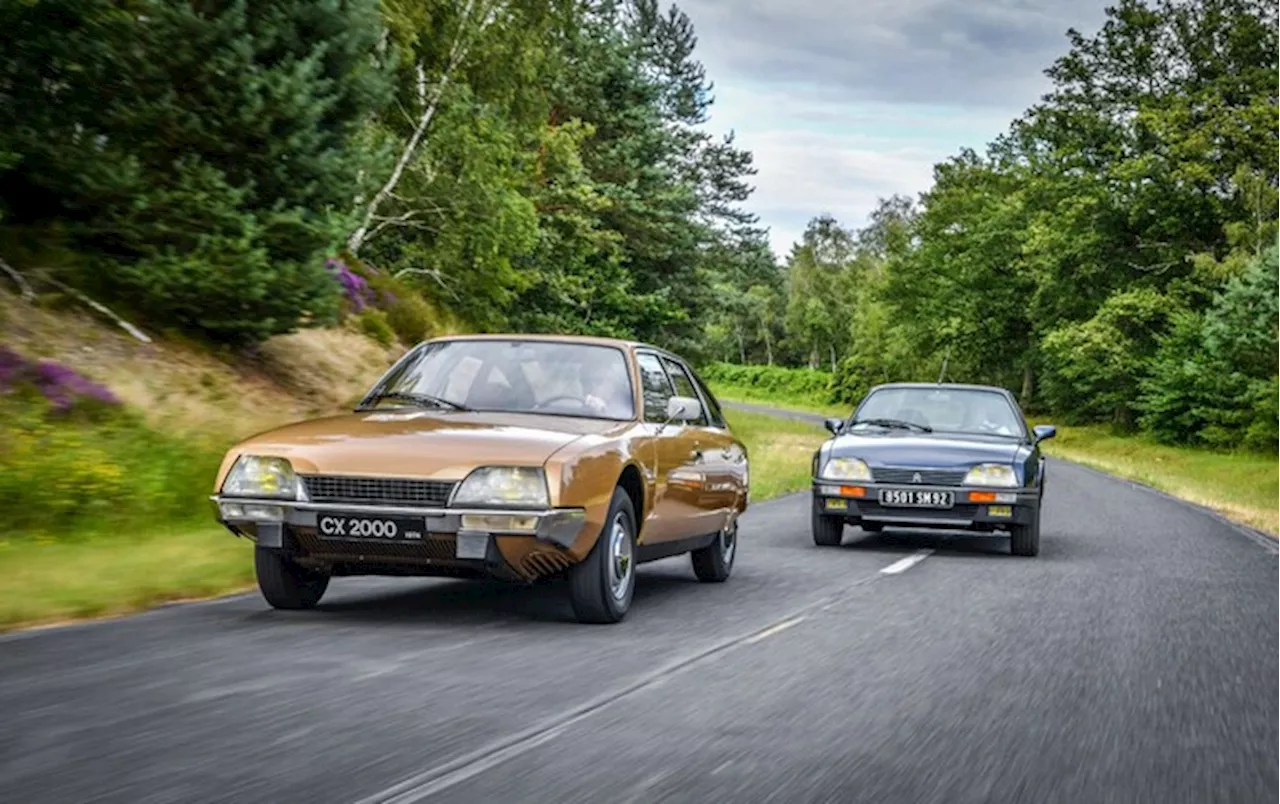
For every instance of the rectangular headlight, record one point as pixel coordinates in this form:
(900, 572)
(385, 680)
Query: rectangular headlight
(991, 474)
(846, 469)
(261, 477)
(517, 486)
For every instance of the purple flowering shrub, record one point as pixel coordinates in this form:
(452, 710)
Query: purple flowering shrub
(382, 301)
(355, 288)
(63, 387)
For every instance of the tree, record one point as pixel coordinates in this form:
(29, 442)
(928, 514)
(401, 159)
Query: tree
(197, 157)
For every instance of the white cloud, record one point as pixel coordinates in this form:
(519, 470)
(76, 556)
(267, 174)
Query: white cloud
(841, 106)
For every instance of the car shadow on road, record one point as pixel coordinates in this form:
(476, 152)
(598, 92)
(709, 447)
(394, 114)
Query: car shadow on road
(482, 602)
(959, 543)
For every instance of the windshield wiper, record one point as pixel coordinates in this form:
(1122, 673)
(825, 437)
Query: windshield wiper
(899, 424)
(422, 400)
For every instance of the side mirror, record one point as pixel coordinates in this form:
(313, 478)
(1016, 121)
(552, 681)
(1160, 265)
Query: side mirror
(683, 409)
(1044, 432)
(834, 425)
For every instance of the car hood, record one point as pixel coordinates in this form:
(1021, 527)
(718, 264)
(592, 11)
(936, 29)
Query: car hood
(418, 443)
(925, 450)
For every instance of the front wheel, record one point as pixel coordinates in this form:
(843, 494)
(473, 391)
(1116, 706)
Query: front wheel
(602, 584)
(1024, 540)
(284, 584)
(713, 563)
(828, 531)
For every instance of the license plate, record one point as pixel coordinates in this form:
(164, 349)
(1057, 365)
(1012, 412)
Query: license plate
(912, 498)
(370, 528)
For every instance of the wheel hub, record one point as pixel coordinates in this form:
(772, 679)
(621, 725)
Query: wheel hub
(729, 541)
(621, 566)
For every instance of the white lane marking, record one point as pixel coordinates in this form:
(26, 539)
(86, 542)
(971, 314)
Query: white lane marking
(449, 774)
(768, 632)
(904, 564)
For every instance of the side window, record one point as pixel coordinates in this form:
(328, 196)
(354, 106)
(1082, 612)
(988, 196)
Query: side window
(684, 385)
(713, 405)
(656, 387)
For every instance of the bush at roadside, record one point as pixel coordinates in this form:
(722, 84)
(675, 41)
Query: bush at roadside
(73, 460)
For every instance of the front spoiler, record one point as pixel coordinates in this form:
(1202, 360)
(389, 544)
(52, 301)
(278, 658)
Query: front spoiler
(964, 514)
(558, 526)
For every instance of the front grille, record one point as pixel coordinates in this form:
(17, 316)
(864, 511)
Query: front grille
(378, 490)
(436, 548)
(928, 477)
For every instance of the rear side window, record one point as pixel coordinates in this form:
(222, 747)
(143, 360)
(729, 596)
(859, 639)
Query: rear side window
(713, 405)
(684, 385)
(655, 386)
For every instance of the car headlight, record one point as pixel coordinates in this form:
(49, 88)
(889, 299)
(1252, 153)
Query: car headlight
(261, 476)
(846, 469)
(991, 474)
(503, 485)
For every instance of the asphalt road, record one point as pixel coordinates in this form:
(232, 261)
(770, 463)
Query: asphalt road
(1134, 660)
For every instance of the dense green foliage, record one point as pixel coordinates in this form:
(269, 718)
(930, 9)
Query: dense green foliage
(194, 157)
(1111, 258)
(770, 381)
(544, 165)
(533, 164)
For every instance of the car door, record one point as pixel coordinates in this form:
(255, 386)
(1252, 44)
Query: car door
(713, 458)
(670, 452)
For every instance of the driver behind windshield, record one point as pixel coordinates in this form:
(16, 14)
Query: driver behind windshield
(993, 415)
(606, 390)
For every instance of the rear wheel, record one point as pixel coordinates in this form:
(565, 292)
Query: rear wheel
(828, 531)
(713, 563)
(602, 584)
(1024, 540)
(284, 584)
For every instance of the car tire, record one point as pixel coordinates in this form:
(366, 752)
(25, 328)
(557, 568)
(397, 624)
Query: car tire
(284, 584)
(1024, 540)
(714, 563)
(828, 531)
(602, 585)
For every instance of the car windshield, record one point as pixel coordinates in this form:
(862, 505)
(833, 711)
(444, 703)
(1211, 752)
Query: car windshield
(513, 376)
(945, 410)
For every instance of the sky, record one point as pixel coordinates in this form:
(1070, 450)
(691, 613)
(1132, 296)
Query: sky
(843, 102)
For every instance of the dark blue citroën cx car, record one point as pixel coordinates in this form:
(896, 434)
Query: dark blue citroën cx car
(918, 455)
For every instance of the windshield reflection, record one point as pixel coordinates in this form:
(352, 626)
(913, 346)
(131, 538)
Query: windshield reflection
(945, 410)
(512, 376)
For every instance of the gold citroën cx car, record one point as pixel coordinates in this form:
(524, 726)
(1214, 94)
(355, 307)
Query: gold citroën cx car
(519, 457)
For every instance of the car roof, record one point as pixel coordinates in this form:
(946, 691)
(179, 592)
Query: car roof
(955, 386)
(592, 340)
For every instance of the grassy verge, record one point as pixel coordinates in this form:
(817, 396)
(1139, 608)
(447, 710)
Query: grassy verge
(803, 404)
(1240, 486)
(779, 450)
(51, 582)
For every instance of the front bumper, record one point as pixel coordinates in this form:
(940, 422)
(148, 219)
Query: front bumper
(450, 536)
(989, 509)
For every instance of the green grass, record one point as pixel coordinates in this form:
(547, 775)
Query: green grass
(1240, 486)
(48, 582)
(780, 451)
(814, 403)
